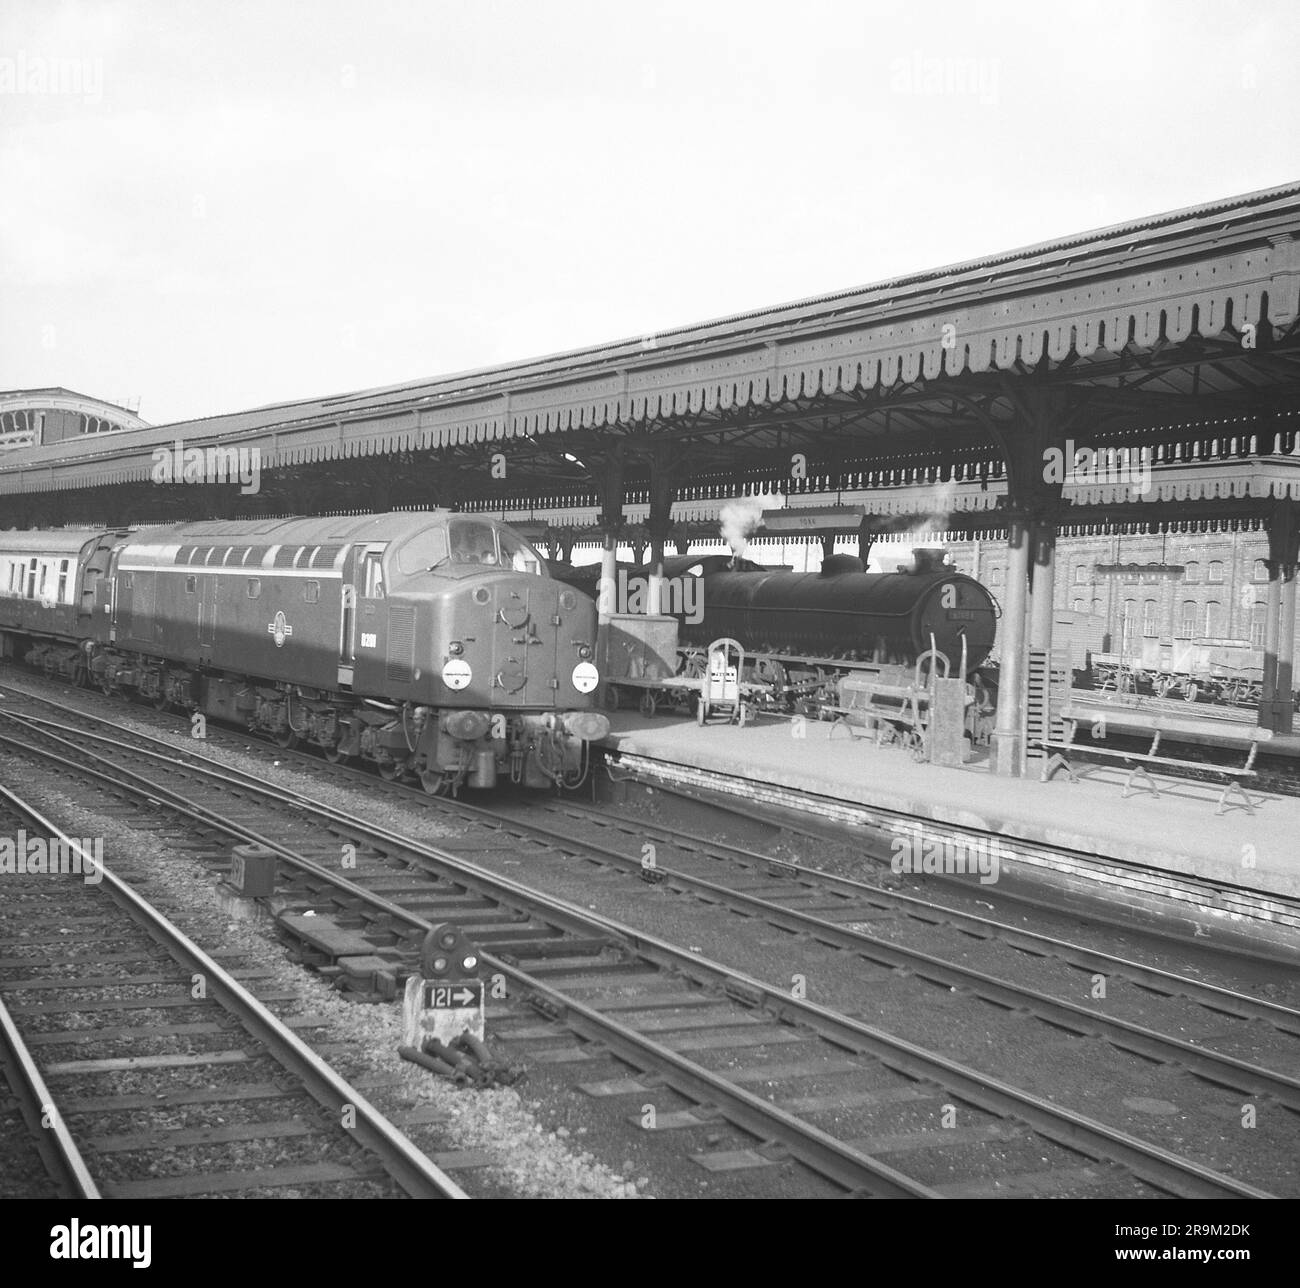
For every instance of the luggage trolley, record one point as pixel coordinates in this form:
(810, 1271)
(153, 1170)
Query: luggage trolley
(722, 688)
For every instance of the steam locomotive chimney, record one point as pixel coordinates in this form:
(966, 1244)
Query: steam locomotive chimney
(928, 559)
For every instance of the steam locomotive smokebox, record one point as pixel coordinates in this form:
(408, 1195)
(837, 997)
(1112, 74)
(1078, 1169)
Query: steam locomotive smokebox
(252, 871)
(636, 646)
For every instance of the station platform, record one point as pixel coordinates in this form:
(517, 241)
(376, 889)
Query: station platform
(1232, 873)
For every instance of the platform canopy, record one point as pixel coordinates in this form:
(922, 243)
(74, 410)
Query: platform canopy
(1177, 333)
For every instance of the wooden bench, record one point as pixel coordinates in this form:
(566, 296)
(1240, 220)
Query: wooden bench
(1138, 761)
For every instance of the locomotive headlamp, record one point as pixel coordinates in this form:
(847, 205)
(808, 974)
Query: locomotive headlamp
(584, 651)
(455, 648)
(585, 677)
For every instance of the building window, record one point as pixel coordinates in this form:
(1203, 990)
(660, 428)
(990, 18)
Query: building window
(1215, 571)
(1081, 575)
(1187, 621)
(1257, 625)
(995, 577)
(1079, 606)
(1149, 618)
(1129, 622)
(1213, 619)
(1192, 571)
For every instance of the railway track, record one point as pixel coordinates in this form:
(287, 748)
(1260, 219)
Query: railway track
(147, 1069)
(599, 969)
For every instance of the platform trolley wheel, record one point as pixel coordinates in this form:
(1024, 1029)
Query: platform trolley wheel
(648, 704)
(609, 697)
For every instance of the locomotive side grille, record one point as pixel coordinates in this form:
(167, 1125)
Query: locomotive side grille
(401, 644)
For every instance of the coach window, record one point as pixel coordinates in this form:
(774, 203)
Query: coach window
(254, 587)
(63, 581)
(31, 579)
(374, 576)
(311, 592)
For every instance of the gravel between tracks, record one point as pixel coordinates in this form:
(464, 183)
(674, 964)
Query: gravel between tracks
(526, 1160)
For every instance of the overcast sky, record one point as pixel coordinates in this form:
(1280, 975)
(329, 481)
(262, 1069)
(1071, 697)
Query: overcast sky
(211, 206)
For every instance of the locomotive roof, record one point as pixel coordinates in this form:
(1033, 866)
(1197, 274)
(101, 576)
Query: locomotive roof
(343, 528)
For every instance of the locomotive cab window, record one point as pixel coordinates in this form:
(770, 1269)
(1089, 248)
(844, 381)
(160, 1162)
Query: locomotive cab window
(191, 585)
(518, 555)
(424, 552)
(254, 587)
(311, 592)
(373, 578)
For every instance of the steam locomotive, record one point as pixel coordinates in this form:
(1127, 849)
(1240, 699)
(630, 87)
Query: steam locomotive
(841, 613)
(431, 644)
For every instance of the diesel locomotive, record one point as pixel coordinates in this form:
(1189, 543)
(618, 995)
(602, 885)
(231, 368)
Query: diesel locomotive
(431, 644)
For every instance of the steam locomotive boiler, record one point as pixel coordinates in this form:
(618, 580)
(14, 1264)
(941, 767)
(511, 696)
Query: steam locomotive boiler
(845, 613)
